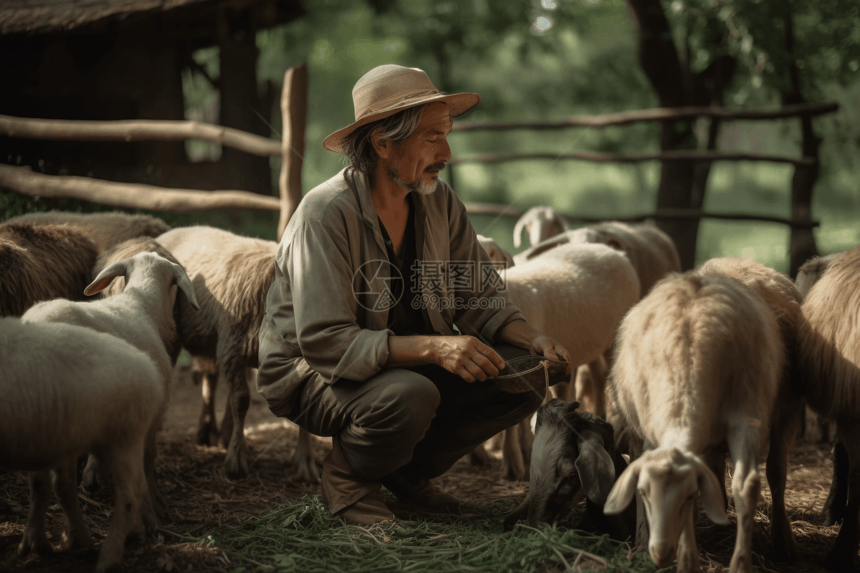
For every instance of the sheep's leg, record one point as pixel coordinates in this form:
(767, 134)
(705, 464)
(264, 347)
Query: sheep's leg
(688, 552)
(590, 386)
(514, 467)
(834, 507)
(226, 433)
(716, 460)
(304, 466)
(153, 511)
(126, 464)
(206, 373)
(787, 417)
(35, 540)
(746, 486)
(76, 533)
(235, 372)
(92, 478)
(842, 555)
(479, 456)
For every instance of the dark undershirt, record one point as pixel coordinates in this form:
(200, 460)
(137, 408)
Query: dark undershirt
(404, 320)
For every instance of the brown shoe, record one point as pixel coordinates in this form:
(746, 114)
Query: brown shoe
(422, 495)
(369, 510)
(349, 495)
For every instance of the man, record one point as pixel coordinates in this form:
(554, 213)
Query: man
(359, 341)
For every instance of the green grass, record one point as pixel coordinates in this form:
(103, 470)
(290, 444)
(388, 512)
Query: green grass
(300, 535)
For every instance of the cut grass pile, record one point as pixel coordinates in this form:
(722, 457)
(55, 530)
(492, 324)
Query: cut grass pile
(300, 535)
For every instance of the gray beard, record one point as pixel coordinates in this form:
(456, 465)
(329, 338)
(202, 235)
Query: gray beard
(418, 186)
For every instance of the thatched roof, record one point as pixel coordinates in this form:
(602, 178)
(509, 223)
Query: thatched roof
(38, 17)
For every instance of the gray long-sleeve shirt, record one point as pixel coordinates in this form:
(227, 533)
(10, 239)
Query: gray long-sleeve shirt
(327, 308)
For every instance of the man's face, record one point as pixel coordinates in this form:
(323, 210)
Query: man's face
(416, 161)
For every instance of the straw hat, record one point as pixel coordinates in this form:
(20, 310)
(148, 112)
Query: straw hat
(385, 90)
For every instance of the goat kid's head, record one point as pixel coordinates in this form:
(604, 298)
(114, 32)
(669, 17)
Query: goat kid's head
(147, 267)
(668, 482)
(569, 456)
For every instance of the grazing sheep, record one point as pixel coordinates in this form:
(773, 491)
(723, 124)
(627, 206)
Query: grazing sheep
(496, 253)
(40, 263)
(105, 229)
(142, 315)
(700, 362)
(232, 276)
(574, 455)
(578, 296)
(829, 361)
(539, 223)
(60, 402)
(651, 251)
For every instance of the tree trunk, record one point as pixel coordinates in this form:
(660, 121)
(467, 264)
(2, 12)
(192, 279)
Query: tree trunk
(802, 243)
(659, 61)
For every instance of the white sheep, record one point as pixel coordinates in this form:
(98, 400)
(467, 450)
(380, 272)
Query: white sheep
(232, 276)
(578, 296)
(40, 263)
(828, 356)
(68, 391)
(701, 364)
(651, 251)
(495, 252)
(104, 229)
(539, 223)
(142, 315)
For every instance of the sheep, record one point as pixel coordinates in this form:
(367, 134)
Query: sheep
(578, 296)
(40, 263)
(651, 251)
(232, 276)
(539, 223)
(495, 252)
(116, 253)
(60, 402)
(828, 356)
(574, 455)
(142, 315)
(701, 362)
(105, 229)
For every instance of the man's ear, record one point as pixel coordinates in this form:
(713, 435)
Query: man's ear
(383, 147)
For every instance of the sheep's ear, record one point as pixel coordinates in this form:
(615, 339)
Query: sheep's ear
(622, 492)
(712, 494)
(595, 467)
(104, 278)
(184, 283)
(518, 232)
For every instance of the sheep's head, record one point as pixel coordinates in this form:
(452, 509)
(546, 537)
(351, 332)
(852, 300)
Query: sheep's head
(540, 223)
(495, 252)
(668, 482)
(147, 268)
(569, 456)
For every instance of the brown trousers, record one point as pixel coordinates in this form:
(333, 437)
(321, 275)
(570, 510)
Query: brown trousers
(417, 421)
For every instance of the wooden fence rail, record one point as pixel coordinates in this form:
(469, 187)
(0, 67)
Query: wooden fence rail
(613, 158)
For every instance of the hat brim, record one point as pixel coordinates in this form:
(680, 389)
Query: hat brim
(460, 104)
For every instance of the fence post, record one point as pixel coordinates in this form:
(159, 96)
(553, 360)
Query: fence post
(802, 242)
(294, 111)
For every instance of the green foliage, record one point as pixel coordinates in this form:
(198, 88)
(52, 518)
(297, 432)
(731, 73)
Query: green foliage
(300, 535)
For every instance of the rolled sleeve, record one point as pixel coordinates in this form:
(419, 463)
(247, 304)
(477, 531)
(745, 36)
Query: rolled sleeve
(482, 322)
(324, 305)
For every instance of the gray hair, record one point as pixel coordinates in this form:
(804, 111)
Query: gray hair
(358, 145)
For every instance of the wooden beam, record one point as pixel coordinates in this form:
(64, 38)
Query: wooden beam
(137, 130)
(294, 111)
(501, 210)
(613, 158)
(130, 195)
(656, 114)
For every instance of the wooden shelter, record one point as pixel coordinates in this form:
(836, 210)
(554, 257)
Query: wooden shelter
(122, 60)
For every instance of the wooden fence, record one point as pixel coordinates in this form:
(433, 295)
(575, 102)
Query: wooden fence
(294, 100)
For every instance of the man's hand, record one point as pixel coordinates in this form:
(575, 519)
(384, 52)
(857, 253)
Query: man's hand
(467, 357)
(549, 348)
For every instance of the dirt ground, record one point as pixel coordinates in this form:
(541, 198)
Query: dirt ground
(202, 499)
